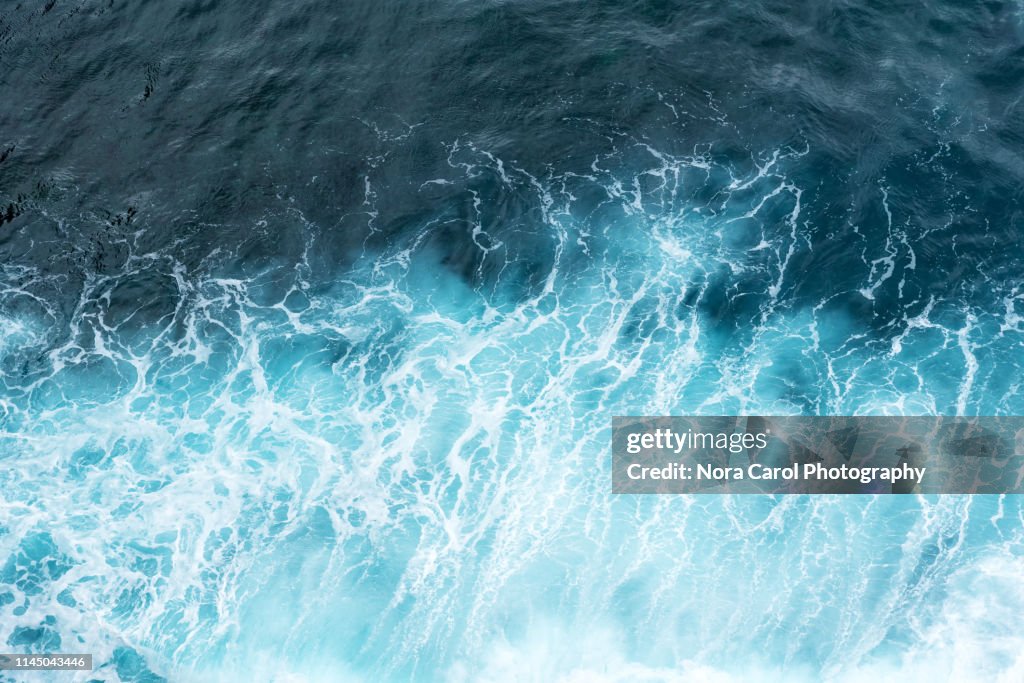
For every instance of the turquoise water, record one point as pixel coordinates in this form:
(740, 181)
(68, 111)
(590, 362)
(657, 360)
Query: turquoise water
(314, 320)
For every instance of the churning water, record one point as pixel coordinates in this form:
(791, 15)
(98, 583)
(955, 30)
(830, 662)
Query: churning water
(314, 315)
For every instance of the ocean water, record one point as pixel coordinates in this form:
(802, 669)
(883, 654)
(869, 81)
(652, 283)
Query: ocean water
(314, 315)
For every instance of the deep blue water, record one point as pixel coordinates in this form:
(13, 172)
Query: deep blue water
(314, 315)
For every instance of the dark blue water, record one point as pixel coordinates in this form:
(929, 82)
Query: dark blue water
(314, 315)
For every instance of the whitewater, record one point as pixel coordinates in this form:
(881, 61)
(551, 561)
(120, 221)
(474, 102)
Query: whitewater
(314, 318)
